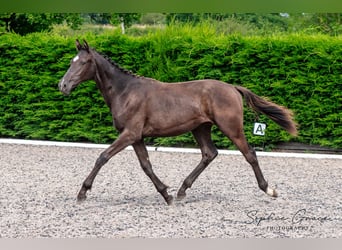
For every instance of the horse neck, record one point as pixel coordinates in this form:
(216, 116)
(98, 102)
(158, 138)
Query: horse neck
(111, 80)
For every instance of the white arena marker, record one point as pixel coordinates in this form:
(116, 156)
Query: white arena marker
(76, 58)
(259, 128)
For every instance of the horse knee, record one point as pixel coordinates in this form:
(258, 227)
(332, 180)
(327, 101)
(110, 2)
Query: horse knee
(213, 154)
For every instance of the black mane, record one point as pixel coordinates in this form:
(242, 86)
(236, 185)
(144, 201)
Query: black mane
(116, 65)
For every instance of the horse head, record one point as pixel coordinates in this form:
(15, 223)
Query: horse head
(82, 68)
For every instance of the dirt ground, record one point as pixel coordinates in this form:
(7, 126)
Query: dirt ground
(39, 185)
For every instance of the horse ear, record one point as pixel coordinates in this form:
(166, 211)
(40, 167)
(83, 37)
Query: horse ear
(85, 45)
(78, 45)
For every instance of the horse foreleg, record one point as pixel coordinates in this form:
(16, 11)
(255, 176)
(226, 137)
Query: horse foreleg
(141, 151)
(202, 135)
(124, 140)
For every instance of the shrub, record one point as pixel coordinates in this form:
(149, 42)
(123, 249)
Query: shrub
(300, 72)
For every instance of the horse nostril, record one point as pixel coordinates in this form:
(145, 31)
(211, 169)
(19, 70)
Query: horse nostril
(64, 85)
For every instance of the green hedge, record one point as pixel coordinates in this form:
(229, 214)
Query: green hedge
(300, 72)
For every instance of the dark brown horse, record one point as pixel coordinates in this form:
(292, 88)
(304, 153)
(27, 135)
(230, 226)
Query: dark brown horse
(144, 107)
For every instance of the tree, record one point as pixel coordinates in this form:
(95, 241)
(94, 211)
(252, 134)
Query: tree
(6, 19)
(24, 23)
(327, 23)
(125, 19)
(99, 18)
(182, 17)
(152, 18)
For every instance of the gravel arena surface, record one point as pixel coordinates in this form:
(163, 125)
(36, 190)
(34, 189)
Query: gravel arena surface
(39, 185)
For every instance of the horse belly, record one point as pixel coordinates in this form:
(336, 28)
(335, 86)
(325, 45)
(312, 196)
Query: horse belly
(173, 122)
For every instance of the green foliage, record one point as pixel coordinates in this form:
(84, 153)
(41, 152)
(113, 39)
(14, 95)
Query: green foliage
(98, 18)
(325, 23)
(24, 23)
(153, 19)
(227, 23)
(127, 18)
(265, 23)
(301, 72)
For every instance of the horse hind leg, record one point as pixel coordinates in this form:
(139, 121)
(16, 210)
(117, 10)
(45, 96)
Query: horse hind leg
(202, 135)
(237, 136)
(263, 185)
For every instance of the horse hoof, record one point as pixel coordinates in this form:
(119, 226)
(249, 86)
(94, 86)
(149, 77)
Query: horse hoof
(272, 192)
(81, 198)
(169, 200)
(180, 196)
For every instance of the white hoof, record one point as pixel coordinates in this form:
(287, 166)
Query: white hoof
(271, 192)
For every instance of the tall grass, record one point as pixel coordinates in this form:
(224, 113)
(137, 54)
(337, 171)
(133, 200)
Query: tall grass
(227, 26)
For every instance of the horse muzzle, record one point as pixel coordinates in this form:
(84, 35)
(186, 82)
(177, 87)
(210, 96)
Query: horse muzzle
(63, 87)
(66, 87)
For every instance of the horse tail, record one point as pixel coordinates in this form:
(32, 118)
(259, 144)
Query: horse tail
(279, 114)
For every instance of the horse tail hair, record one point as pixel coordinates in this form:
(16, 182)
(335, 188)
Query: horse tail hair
(279, 114)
